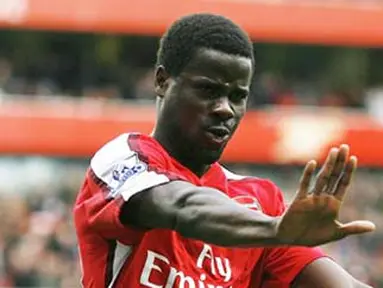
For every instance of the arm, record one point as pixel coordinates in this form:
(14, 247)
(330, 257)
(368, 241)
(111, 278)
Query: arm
(201, 213)
(325, 273)
(209, 215)
(128, 186)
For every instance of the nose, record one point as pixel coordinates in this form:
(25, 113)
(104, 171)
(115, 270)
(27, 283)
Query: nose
(223, 109)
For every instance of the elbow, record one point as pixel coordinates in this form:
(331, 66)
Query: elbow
(193, 219)
(185, 215)
(186, 221)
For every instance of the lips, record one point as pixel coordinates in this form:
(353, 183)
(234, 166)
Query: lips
(219, 131)
(217, 135)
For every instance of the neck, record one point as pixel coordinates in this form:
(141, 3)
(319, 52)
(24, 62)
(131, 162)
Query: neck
(181, 152)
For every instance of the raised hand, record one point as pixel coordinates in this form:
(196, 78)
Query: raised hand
(312, 218)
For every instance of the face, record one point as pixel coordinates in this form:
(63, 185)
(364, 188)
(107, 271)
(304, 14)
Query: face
(202, 107)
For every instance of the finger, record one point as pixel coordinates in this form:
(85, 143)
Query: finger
(304, 183)
(325, 172)
(357, 227)
(346, 178)
(338, 168)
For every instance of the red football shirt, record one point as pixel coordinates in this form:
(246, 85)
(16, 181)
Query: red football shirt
(114, 255)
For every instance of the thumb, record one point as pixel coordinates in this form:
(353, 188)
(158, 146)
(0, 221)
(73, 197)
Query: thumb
(357, 227)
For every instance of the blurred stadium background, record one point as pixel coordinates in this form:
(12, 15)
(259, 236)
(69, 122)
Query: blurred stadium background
(75, 73)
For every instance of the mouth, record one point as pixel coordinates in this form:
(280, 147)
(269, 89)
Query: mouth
(217, 135)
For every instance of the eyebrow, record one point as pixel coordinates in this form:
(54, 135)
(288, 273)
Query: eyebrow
(204, 78)
(217, 82)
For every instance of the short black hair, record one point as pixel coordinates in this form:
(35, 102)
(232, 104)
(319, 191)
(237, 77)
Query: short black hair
(201, 30)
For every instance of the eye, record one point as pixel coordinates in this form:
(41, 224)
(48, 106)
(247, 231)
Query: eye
(206, 87)
(208, 90)
(238, 96)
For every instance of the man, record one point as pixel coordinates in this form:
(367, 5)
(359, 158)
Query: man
(159, 211)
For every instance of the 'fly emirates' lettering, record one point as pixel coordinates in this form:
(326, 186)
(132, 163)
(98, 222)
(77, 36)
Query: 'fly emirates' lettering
(155, 261)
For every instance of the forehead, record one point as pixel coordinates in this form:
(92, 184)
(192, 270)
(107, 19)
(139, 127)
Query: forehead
(220, 66)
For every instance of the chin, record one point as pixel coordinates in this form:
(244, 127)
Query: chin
(211, 156)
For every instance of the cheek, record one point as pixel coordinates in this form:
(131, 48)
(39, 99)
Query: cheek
(189, 113)
(239, 112)
(191, 117)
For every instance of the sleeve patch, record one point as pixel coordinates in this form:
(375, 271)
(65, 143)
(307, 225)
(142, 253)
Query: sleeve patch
(126, 169)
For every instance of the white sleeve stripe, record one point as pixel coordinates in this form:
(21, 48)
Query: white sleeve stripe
(111, 153)
(120, 168)
(142, 182)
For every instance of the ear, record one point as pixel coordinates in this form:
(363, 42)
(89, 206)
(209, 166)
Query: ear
(161, 81)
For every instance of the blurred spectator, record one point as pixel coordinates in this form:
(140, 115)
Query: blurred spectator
(145, 87)
(106, 92)
(374, 103)
(5, 76)
(36, 235)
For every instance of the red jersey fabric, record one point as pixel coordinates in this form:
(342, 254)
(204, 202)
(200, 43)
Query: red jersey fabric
(114, 255)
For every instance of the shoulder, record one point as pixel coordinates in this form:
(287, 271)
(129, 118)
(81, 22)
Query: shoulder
(247, 180)
(111, 151)
(129, 150)
(267, 193)
(129, 161)
(126, 146)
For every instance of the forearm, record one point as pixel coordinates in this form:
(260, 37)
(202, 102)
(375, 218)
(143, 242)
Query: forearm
(200, 213)
(223, 222)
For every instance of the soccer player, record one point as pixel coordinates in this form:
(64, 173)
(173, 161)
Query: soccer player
(159, 211)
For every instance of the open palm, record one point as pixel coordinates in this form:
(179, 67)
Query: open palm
(312, 217)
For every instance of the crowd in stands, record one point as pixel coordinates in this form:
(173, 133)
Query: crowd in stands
(110, 66)
(269, 89)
